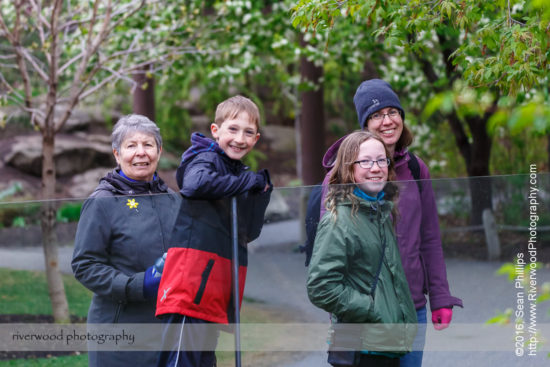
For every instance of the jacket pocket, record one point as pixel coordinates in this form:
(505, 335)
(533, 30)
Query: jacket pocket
(425, 288)
(204, 279)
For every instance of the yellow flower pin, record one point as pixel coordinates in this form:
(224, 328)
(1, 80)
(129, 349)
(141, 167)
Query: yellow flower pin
(132, 203)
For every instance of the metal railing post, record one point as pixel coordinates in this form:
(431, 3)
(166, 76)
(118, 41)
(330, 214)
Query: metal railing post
(235, 278)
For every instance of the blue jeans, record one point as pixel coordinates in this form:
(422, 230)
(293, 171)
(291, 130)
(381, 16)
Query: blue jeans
(414, 359)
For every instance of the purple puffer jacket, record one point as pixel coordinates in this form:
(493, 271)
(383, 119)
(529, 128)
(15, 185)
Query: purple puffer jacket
(417, 233)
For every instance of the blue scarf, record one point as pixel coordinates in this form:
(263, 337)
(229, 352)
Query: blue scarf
(363, 195)
(132, 180)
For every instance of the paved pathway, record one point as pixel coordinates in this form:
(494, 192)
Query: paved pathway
(278, 278)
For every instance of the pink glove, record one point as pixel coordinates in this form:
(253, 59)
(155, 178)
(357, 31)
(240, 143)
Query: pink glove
(441, 318)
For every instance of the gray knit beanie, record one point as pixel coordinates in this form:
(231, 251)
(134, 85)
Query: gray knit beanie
(373, 95)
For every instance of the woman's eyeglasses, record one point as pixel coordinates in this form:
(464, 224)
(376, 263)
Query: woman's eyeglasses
(378, 117)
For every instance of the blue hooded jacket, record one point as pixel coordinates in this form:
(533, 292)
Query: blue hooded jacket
(196, 280)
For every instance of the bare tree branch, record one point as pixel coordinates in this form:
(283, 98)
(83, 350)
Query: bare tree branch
(21, 52)
(18, 102)
(91, 48)
(86, 55)
(29, 57)
(127, 15)
(84, 91)
(122, 72)
(88, 44)
(7, 57)
(10, 88)
(14, 37)
(49, 124)
(8, 66)
(7, 31)
(69, 63)
(40, 22)
(123, 9)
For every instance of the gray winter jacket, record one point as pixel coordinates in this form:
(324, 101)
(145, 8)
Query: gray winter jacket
(124, 227)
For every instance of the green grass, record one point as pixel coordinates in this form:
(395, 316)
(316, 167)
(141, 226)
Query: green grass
(68, 361)
(26, 292)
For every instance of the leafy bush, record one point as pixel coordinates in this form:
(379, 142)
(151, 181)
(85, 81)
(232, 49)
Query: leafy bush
(19, 215)
(18, 222)
(69, 212)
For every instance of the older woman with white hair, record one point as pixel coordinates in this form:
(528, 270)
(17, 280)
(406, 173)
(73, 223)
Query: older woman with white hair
(124, 229)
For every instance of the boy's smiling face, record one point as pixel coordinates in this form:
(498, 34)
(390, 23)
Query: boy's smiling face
(236, 137)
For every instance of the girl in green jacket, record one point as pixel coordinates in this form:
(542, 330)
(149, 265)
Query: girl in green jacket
(355, 271)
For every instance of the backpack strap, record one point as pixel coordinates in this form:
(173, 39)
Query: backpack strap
(313, 213)
(414, 167)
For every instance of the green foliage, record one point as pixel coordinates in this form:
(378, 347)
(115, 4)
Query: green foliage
(28, 213)
(69, 212)
(126, 35)
(513, 153)
(172, 118)
(472, 61)
(11, 190)
(26, 292)
(252, 51)
(19, 215)
(254, 158)
(434, 143)
(492, 46)
(502, 318)
(511, 192)
(19, 222)
(510, 270)
(454, 206)
(167, 163)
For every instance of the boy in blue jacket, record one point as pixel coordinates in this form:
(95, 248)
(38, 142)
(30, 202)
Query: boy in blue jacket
(195, 288)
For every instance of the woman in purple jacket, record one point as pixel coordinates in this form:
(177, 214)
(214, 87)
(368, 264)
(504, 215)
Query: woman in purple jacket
(379, 111)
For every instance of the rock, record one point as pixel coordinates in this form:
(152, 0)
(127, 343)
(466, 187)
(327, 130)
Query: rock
(201, 123)
(281, 139)
(82, 185)
(277, 209)
(83, 118)
(73, 154)
(96, 138)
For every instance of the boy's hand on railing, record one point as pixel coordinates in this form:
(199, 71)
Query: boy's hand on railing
(264, 181)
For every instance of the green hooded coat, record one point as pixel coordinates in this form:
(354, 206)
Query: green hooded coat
(345, 261)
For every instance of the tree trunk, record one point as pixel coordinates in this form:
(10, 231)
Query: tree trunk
(144, 94)
(478, 168)
(480, 196)
(312, 125)
(60, 307)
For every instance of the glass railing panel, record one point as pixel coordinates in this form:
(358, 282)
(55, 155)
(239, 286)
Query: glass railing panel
(279, 324)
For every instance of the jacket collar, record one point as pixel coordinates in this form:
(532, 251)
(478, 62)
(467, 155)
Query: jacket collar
(382, 207)
(118, 185)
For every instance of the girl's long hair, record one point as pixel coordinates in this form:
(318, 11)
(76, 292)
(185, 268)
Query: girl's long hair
(341, 177)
